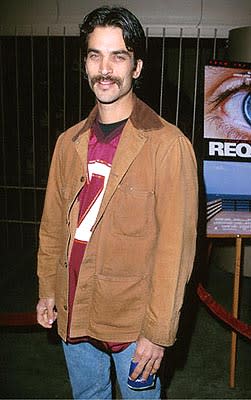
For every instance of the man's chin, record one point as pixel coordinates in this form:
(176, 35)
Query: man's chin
(106, 101)
(111, 99)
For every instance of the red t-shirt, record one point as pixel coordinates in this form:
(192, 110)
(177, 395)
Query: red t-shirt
(101, 150)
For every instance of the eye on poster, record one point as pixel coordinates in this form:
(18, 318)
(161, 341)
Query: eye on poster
(227, 148)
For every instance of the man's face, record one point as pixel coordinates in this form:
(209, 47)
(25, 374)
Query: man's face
(109, 65)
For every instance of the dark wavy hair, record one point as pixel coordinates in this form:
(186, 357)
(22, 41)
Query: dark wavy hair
(133, 33)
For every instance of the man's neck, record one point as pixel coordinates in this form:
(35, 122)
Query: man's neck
(117, 111)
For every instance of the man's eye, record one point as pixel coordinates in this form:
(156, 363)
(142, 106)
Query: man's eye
(119, 57)
(93, 56)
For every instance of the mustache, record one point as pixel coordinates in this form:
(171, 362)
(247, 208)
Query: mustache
(101, 78)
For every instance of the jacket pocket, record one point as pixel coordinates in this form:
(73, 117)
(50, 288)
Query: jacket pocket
(133, 212)
(119, 302)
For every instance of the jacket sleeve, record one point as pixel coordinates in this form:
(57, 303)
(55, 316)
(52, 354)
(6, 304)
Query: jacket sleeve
(50, 233)
(176, 210)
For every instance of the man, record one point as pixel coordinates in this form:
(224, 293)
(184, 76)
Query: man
(117, 236)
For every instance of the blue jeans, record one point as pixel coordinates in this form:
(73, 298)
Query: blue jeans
(90, 373)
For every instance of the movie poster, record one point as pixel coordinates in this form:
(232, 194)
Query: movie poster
(227, 148)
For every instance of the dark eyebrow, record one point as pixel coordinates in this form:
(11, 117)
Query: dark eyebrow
(90, 50)
(122, 51)
(125, 52)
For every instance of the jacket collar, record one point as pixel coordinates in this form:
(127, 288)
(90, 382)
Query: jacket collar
(142, 118)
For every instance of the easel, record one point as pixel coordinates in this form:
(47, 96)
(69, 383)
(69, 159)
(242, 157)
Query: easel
(236, 293)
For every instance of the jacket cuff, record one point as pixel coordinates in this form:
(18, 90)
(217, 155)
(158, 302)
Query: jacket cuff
(161, 335)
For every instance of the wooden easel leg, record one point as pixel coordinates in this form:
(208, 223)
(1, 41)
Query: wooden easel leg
(235, 308)
(233, 359)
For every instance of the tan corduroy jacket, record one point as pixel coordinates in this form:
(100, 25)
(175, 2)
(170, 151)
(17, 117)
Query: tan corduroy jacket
(141, 252)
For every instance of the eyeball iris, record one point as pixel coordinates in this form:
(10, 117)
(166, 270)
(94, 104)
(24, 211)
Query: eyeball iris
(247, 108)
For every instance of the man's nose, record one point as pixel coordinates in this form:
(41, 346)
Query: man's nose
(105, 66)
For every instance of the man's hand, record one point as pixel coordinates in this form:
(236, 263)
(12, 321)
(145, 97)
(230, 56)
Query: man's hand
(148, 356)
(46, 313)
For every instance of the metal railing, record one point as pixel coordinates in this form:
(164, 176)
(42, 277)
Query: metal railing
(43, 91)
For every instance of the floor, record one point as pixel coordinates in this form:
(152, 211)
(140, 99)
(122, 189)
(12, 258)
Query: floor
(196, 367)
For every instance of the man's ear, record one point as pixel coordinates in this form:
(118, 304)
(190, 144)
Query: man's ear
(138, 69)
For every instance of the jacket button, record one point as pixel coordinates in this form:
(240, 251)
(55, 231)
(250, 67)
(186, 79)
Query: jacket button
(65, 307)
(65, 264)
(82, 179)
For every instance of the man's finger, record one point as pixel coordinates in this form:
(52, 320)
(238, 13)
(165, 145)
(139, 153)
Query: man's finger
(138, 369)
(147, 369)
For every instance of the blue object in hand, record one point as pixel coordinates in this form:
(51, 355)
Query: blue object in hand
(139, 383)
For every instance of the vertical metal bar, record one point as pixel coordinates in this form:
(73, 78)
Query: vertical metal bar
(64, 80)
(20, 198)
(80, 86)
(33, 139)
(195, 84)
(3, 142)
(48, 100)
(147, 37)
(179, 78)
(215, 39)
(162, 71)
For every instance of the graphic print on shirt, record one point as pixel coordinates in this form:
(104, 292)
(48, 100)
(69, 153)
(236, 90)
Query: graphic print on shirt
(98, 174)
(100, 158)
(90, 199)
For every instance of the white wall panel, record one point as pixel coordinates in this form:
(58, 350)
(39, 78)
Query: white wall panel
(63, 16)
